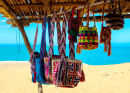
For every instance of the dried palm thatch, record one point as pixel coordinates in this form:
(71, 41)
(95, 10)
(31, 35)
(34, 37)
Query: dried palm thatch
(34, 8)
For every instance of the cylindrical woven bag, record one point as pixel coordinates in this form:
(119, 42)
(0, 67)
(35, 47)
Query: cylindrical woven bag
(114, 18)
(88, 36)
(65, 71)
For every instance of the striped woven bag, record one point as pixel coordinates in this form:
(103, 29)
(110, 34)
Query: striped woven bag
(88, 36)
(65, 71)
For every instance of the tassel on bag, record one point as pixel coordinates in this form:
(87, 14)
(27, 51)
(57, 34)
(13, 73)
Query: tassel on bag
(78, 49)
(82, 75)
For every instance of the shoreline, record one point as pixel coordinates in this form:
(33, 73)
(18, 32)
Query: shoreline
(1, 62)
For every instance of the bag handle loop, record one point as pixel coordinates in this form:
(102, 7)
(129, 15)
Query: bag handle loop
(94, 19)
(73, 12)
(103, 12)
(88, 15)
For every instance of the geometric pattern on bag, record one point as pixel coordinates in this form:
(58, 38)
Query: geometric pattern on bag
(65, 74)
(70, 75)
(88, 38)
(48, 73)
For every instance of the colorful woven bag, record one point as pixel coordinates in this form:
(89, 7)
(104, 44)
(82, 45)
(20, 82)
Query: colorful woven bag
(48, 57)
(88, 36)
(114, 17)
(105, 36)
(65, 71)
(73, 24)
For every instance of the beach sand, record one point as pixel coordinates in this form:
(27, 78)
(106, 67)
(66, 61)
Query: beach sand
(15, 77)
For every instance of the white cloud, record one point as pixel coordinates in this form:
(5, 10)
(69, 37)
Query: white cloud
(2, 21)
(5, 26)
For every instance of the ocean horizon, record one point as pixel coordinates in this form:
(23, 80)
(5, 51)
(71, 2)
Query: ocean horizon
(120, 54)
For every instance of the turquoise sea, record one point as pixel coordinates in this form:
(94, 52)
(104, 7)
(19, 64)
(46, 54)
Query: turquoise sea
(120, 54)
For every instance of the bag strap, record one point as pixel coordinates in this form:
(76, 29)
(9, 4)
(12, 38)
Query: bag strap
(94, 19)
(42, 49)
(58, 33)
(73, 12)
(49, 27)
(78, 15)
(103, 12)
(50, 53)
(82, 17)
(62, 64)
(71, 50)
(88, 16)
(63, 39)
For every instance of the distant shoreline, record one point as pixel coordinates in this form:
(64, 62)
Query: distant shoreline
(8, 62)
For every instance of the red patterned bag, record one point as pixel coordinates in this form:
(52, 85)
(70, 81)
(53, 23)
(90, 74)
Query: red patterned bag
(105, 36)
(73, 24)
(66, 71)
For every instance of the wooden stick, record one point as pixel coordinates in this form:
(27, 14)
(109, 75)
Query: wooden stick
(26, 22)
(125, 7)
(40, 88)
(25, 38)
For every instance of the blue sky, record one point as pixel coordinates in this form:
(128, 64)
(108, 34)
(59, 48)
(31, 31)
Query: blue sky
(8, 34)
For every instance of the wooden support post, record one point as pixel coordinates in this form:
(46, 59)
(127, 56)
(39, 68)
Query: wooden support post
(40, 88)
(21, 28)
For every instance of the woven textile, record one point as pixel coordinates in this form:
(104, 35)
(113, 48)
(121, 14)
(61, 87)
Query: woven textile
(51, 36)
(73, 24)
(105, 36)
(88, 38)
(71, 50)
(58, 33)
(62, 50)
(65, 71)
(48, 73)
(70, 74)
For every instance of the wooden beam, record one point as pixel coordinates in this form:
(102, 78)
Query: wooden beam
(50, 4)
(40, 88)
(35, 20)
(91, 1)
(125, 7)
(100, 11)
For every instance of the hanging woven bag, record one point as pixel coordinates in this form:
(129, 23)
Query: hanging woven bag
(114, 17)
(73, 24)
(66, 70)
(88, 36)
(105, 35)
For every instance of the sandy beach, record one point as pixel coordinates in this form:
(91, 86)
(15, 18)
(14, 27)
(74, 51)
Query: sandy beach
(15, 77)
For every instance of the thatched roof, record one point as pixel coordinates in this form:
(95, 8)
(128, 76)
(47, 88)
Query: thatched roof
(34, 8)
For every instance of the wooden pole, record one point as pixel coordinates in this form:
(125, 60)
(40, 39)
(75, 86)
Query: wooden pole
(40, 88)
(26, 22)
(21, 28)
